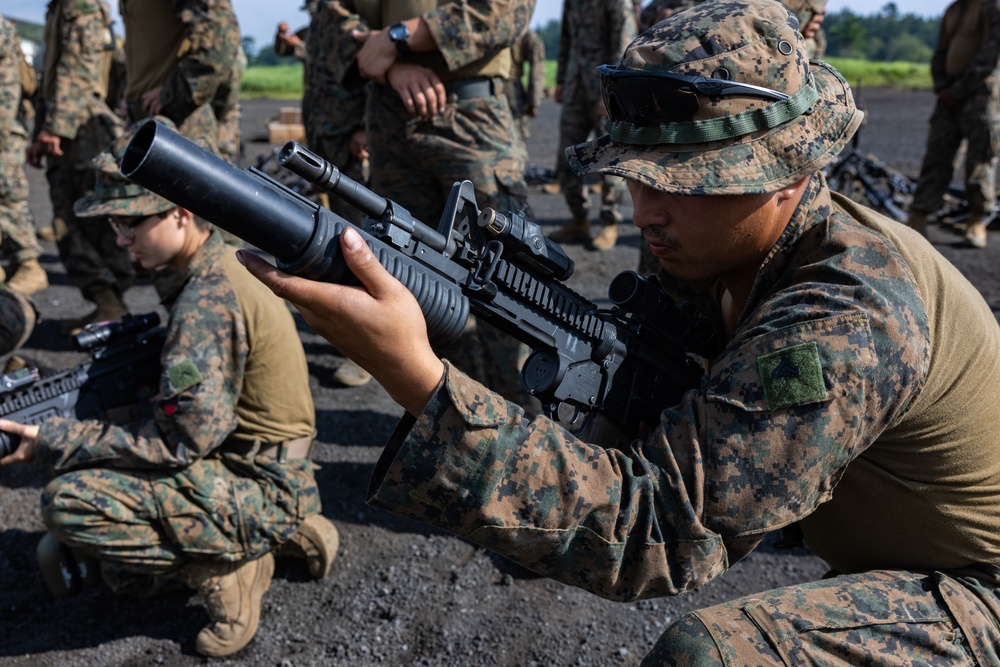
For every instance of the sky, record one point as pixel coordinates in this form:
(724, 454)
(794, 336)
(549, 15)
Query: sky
(259, 18)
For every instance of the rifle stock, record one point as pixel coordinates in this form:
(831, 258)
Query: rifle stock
(620, 362)
(114, 385)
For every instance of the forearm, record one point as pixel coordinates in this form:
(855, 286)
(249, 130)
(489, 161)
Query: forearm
(470, 31)
(477, 467)
(211, 45)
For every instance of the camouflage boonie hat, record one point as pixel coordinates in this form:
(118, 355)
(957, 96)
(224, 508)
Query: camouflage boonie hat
(739, 144)
(115, 195)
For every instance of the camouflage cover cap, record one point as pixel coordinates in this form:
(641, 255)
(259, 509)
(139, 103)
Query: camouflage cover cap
(113, 194)
(747, 41)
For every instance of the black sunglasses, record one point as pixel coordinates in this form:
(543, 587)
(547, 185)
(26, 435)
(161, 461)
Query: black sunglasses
(651, 98)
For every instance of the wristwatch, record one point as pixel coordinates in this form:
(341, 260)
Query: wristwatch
(399, 34)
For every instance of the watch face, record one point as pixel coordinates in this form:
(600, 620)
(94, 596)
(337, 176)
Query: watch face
(399, 33)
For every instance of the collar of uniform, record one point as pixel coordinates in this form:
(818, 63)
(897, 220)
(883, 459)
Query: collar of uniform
(814, 207)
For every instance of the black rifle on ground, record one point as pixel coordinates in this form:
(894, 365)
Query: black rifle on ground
(865, 179)
(624, 362)
(114, 385)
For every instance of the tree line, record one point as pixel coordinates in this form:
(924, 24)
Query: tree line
(887, 36)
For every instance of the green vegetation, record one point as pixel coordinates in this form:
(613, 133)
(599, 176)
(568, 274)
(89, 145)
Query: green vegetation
(860, 73)
(285, 81)
(277, 81)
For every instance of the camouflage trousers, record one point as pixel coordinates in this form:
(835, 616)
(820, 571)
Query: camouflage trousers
(886, 618)
(978, 123)
(17, 225)
(415, 163)
(514, 90)
(87, 247)
(576, 123)
(146, 524)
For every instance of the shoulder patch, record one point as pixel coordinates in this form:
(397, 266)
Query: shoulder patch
(792, 376)
(182, 376)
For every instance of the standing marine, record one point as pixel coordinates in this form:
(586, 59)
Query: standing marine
(967, 84)
(594, 32)
(73, 125)
(17, 225)
(182, 59)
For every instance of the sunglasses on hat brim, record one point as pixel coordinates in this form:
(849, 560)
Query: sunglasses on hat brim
(651, 98)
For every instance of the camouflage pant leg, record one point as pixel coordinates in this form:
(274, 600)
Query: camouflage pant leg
(576, 123)
(944, 138)
(416, 162)
(889, 618)
(978, 123)
(472, 140)
(154, 523)
(981, 126)
(229, 134)
(17, 225)
(612, 191)
(93, 260)
(112, 515)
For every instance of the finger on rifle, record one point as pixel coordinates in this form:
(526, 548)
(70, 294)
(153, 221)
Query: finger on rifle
(363, 264)
(12, 427)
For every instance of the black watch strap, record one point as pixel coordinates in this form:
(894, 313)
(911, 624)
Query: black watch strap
(399, 34)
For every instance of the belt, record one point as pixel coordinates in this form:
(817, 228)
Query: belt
(472, 88)
(289, 450)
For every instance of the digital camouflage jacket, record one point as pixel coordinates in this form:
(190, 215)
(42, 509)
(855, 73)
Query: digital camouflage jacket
(841, 401)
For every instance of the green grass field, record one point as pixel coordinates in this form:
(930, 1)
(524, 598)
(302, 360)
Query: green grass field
(285, 81)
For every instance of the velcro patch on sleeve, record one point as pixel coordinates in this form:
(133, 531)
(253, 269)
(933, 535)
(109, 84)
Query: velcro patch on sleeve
(792, 376)
(182, 376)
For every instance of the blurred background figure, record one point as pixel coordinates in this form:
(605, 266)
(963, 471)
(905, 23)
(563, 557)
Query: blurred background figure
(73, 124)
(17, 225)
(594, 33)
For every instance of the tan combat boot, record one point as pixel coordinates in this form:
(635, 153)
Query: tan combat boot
(29, 277)
(917, 221)
(232, 594)
(975, 232)
(576, 230)
(317, 541)
(606, 238)
(350, 374)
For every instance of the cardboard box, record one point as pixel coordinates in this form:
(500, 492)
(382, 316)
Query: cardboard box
(282, 133)
(290, 115)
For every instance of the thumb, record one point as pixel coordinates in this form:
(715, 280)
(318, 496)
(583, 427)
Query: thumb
(360, 35)
(363, 264)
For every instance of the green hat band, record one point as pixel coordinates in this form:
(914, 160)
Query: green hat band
(106, 190)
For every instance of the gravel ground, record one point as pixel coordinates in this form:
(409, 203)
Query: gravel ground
(400, 593)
